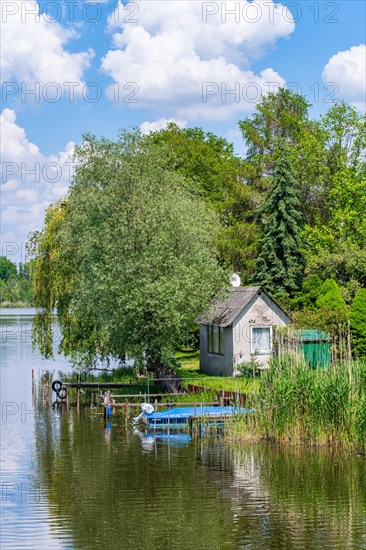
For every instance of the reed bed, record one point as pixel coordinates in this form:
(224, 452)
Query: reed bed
(302, 405)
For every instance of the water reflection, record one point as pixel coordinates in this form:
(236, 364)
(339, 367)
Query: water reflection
(107, 481)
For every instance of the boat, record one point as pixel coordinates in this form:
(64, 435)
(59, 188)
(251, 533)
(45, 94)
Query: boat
(185, 416)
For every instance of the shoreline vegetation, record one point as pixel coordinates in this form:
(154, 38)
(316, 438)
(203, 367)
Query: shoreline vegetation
(294, 404)
(299, 405)
(18, 305)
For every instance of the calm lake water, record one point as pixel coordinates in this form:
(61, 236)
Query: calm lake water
(69, 482)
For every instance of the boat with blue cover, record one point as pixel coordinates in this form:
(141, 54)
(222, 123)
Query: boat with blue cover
(181, 416)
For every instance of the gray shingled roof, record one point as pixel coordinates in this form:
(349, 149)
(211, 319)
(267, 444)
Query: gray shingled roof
(225, 310)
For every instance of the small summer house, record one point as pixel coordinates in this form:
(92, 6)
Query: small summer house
(237, 325)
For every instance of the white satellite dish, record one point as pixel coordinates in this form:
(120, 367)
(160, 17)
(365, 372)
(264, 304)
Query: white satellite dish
(235, 280)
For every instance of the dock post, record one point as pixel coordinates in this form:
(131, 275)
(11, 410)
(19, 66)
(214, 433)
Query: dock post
(78, 398)
(106, 404)
(91, 399)
(67, 398)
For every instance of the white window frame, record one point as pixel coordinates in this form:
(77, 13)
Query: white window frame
(261, 352)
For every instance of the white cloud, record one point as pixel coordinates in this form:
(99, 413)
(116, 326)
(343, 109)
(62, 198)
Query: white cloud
(176, 52)
(33, 50)
(30, 180)
(147, 127)
(346, 69)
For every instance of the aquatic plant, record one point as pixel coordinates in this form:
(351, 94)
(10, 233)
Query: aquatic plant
(298, 404)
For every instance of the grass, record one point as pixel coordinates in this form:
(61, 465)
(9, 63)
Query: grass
(190, 372)
(121, 375)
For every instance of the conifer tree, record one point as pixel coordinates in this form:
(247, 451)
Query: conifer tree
(358, 323)
(280, 264)
(330, 296)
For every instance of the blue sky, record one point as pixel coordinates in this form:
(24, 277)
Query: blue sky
(168, 60)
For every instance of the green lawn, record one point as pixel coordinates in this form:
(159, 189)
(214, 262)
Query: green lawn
(190, 371)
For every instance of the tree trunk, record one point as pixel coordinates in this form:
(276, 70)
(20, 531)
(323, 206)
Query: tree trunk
(168, 377)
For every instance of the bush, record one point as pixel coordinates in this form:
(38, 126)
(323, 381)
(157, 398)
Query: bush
(250, 369)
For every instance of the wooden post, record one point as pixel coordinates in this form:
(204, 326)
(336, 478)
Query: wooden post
(106, 401)
(340, 342)
(349, 354)
(78, 398)
(92, 400)
(67, 398)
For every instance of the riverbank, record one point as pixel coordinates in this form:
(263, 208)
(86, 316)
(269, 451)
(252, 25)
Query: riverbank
(293, 403)
(16, 305)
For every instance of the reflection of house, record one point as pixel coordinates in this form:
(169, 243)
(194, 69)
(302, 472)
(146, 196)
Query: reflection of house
(238, 325)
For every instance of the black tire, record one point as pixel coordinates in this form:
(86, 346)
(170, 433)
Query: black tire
(56, 385)
(61, 393)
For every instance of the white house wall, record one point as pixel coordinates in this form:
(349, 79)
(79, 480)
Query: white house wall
(260, 312)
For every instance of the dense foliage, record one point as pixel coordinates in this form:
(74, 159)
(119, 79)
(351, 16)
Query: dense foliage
(215, 174)
(128, 259)
(152, 222)
(15, 283)
(358, 323)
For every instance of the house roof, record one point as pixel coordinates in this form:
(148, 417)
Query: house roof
(226, 308)
(231, 302)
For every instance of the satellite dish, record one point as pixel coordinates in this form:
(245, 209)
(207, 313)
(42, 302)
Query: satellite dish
(235, 280)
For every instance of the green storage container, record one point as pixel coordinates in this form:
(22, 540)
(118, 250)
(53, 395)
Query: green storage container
(315, 346)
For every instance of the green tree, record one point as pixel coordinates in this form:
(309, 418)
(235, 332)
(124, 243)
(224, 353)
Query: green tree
(128, 259)
(278, 116)
(330, 312)
(330, 296)
(336, 236)
(8, 268)
(215, 174)
(308, 295)
(280, 262)
(358, 323)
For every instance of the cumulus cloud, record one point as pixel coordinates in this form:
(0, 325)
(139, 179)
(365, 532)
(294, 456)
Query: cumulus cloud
(33, 49)
(30, 181)
(347, 70)
(195, 62)
(147, 127)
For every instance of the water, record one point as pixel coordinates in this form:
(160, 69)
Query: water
(69, 482)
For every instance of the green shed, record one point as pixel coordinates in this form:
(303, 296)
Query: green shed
(315, 346)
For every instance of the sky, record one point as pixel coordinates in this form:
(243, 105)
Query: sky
(72, 67)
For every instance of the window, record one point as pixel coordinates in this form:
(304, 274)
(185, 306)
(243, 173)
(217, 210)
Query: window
(261, 340)
(215, 339)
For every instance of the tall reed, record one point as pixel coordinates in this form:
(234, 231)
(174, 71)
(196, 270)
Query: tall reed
(299, 404)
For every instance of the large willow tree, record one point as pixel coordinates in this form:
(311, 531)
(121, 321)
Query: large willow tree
(127, 259)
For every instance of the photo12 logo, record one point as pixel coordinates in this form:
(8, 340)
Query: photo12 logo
(52, 92)
(252, 92)
(70, 11)
(252, 12)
